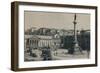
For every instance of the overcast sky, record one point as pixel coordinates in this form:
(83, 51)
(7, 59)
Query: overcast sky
(56, 20)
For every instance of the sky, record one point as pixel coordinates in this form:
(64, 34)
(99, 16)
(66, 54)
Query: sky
(56, 20)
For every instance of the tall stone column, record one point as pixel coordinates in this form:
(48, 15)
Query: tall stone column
(75, 42)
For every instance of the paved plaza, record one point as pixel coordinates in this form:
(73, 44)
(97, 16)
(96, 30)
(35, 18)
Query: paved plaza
(59, 54)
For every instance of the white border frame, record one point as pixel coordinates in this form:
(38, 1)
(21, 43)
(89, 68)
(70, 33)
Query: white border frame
(34, 64)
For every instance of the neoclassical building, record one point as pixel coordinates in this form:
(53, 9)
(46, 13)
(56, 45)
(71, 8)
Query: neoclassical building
(40, 41)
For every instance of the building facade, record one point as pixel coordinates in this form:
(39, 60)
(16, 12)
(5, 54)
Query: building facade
(56, 38)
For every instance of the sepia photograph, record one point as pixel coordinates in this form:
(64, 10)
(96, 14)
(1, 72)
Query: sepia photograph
(56, 36)
(52, 36)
